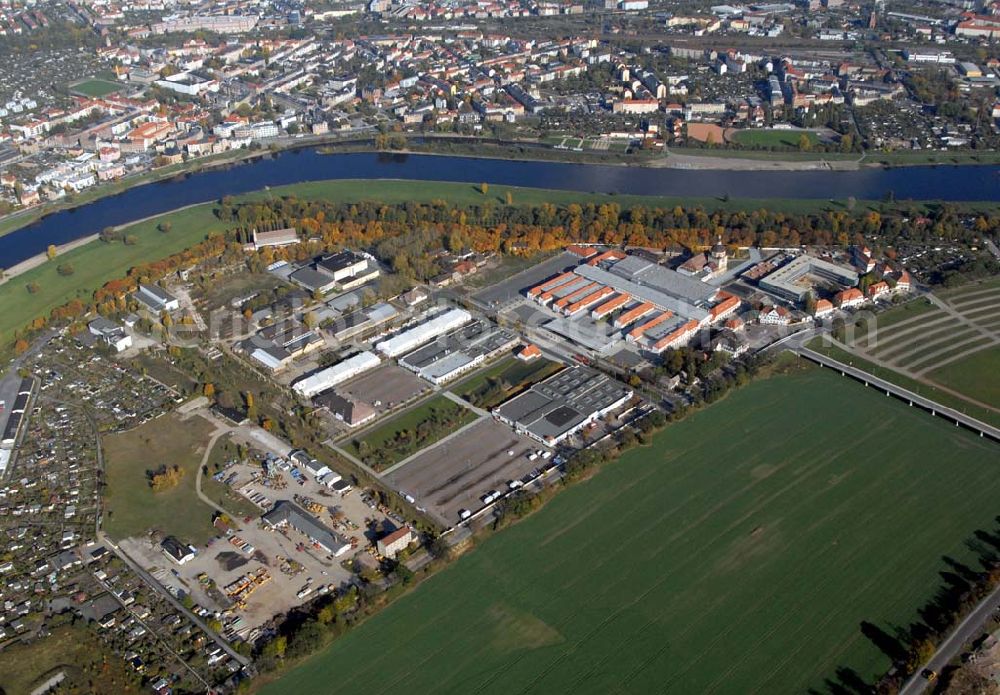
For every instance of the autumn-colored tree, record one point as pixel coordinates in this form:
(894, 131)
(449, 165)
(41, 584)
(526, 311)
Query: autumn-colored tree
(51, 251)
(209, 390)
(20, 346)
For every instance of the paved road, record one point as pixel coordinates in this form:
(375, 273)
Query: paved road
(952, 645)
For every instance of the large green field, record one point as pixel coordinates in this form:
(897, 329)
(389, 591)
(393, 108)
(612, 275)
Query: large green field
(739, 553)
(392, 192)
(975, 375)
(132, 506)
(924, 388)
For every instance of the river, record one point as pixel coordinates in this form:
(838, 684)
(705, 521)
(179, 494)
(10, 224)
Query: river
(954, 183)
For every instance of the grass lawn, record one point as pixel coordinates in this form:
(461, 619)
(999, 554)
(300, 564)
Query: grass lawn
(411, 431)
(75, 650)
(165, 373)
(965, 292)
(975, 375)
(96, 88)
(898, 314)
(924, 389)
(739, 553)
(227, 498)
(507, 377)
(392, 192)
(96, 263)
(133, 507)
(756, 137)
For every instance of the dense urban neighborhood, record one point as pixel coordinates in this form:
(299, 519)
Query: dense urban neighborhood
(157, 87)
(579, 438)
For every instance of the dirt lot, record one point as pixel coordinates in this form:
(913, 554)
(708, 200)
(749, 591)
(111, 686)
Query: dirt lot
(389, 385)
(456, 474)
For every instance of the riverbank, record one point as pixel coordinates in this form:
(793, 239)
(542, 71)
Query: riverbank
(689, 159)
(24, 218)
(62, 249)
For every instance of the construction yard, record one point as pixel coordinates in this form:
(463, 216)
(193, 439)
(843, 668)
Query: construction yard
(257, 570)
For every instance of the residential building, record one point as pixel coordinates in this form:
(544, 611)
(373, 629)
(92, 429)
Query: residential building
(389, 546)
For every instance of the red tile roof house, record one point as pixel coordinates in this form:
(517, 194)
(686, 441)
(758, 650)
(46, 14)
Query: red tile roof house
(824, 307)
(528, 353)
(849, 298)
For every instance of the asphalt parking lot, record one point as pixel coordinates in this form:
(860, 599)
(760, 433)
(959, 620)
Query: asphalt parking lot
(496, 296)
(385, 388)
(456, 474)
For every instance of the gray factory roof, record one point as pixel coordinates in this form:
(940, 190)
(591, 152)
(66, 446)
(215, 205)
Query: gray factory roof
(599, 337)
(648, 274)
(655, 295)
(551, 408)
(305, 523)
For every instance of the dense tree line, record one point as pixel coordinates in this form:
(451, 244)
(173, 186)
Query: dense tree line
(409, 236)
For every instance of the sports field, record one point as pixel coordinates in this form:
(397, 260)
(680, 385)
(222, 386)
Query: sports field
(96, 87)
(739, 553)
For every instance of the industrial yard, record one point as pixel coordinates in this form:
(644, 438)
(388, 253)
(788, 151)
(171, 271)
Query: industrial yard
(457, 474)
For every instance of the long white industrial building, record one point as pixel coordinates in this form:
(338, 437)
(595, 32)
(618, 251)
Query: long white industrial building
(423, 333)
(340, 372)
